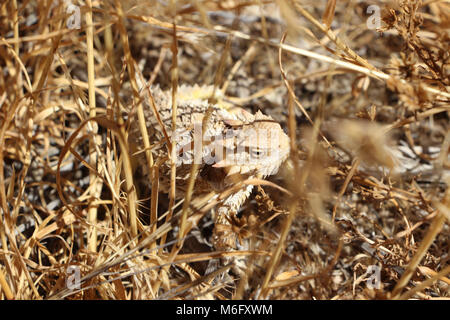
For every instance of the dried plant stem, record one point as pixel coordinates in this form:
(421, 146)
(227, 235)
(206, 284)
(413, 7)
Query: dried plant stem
(369, 71)
(425, 283)
(4, 285)
(158, 65)
(172, 150)
(172, 145)
(16, 45)
(433, 231)
(265, 34)
(154, 167)
(417, 117)
(95, 184)
(250, 51)
(20, 64)
(344, 64)
(190, 188)
(276, 254)
(21, 262)
(291, 91)
(349, 177)
(220, 70)
(330, 34)
(3, 198)
(131, 190)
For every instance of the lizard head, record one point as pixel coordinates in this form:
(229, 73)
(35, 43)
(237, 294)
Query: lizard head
(254, 145)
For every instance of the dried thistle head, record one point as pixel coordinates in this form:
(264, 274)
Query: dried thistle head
(366, 140)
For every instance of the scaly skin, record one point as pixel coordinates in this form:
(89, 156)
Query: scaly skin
(237, 145)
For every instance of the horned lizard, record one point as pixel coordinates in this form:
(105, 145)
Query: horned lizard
(236, 145)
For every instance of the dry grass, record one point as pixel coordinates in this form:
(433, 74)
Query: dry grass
(366, 184)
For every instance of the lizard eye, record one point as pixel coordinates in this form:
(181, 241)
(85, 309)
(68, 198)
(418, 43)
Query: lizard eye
(256, 153)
